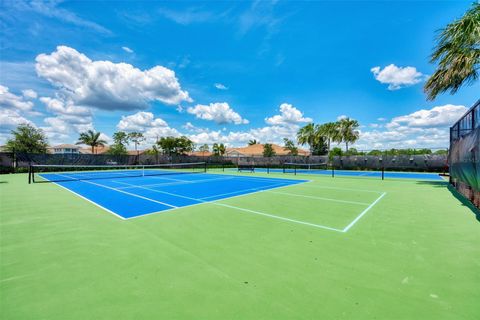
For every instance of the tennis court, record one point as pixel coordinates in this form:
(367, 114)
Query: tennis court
(364, 173)
(221, 245)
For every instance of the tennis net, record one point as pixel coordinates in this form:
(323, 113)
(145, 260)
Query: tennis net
(60, 173)
(308, 168)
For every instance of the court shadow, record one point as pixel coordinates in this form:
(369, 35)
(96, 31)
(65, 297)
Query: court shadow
(3, 182)
(464, 201)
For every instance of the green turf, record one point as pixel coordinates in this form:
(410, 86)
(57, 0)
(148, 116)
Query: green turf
(414, 255)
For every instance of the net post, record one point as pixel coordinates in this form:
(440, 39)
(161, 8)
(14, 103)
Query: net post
(295, 170)
(333, 171)
(383, 172)
(33, 174)
(284, 168)
(29, 174)
(205, 166)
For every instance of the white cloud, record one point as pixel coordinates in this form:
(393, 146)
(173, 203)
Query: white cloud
(382, 119)
(220, 86)
(220, 112)
(29, 94)
(419, 129)
(436, 117)
(140, 121)
(12, 101)
(397, 77)
(127, 49)
(10, 119)
(107, 85)
(341, 117)
(288, 115)
(66, 108)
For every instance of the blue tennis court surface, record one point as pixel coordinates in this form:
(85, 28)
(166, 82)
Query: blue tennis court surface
(374, 174)
(129, 197)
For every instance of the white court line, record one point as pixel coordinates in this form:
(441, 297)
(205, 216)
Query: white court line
(363, 213)
(243, 209)
(233, 192)
(277, 217)
(125, 192)
(346, 189)
(214, 202)
(171, 183)
(92, 202)
(321, 198)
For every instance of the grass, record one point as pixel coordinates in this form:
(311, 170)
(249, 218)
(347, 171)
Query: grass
(414, 255)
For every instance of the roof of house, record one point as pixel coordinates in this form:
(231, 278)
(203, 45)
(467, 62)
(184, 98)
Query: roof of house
(200, 153)
(257, 150)
(65, 146)
(97, 150)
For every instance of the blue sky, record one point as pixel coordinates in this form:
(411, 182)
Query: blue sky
(226, 71)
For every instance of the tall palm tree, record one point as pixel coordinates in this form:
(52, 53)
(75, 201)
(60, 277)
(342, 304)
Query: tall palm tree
(307, 135)
(253, 142)
(458, 55)
(92, 139)
(348, 131)
(330, 132)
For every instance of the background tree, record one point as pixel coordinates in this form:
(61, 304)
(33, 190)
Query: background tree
(136, 138)
(457, 54)
(348, 131)
(253, 142)
(306, 135)
(167, 145)
(174, 146)
(309, 135)
(204, 148)
(92, 139)
(219, 149)
(184, 145)
(330, 132)
(268, 150)
(119, 146)
(290, 146)
(26, 138)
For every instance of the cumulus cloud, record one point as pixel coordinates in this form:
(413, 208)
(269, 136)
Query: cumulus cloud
(140, 121)
(220, 112)
(127, 49)
(422, 128)
(66, 108)
(107, 85)
(288, 115)
(10, 119)
(220, 86)
(397, 77)
(13, 101)
(341, 117)
(29, 94)
(438, 116)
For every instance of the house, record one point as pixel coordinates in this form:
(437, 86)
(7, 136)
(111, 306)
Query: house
(96, 150)
(256, 150)
(64, 149)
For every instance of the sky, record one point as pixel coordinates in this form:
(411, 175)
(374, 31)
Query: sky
(226, 72)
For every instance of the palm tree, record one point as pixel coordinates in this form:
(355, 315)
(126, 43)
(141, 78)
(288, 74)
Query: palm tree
(348, 131)
(92, 139)
(218, 149)
(330, 132)
(253, 142)
(458, 55)
(306, 135)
